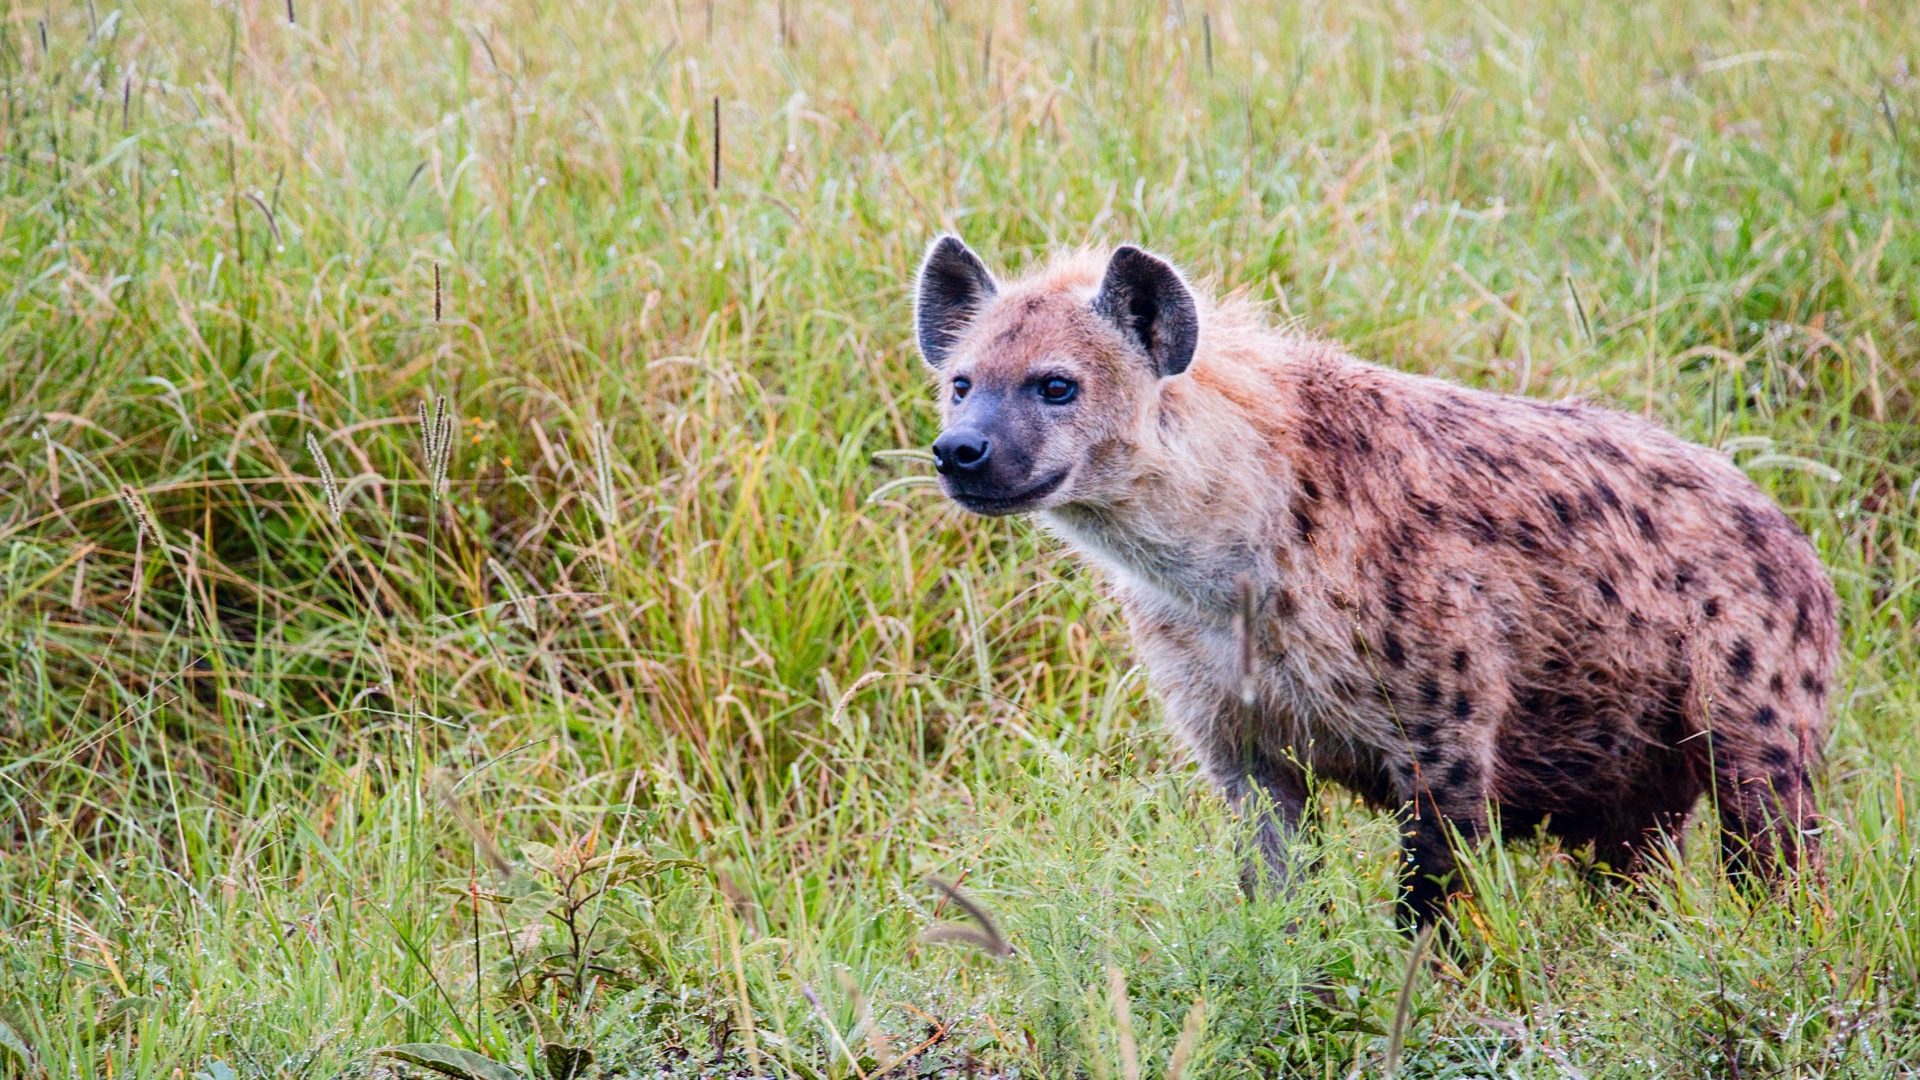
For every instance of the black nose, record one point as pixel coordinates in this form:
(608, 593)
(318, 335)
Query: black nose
(960, 452)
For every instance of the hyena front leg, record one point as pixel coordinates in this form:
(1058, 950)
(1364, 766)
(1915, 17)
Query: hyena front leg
(1272, 798)
(1269, 794)
(1449, 805)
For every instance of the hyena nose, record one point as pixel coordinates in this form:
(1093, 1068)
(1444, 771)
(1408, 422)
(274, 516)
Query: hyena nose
(961, 452)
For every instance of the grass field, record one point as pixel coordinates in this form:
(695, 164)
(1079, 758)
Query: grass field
(642, 730)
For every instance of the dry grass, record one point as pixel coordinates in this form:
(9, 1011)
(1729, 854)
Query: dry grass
(393, 392)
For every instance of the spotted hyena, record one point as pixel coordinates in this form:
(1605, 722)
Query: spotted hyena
(1475, 609)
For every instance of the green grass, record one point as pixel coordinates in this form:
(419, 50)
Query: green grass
(673, 604)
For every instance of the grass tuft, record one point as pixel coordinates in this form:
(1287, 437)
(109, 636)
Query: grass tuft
(603, 714)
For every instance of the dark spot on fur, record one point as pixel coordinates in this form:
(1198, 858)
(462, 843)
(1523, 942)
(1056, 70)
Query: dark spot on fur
(1776, 757)
(1562, 509)
(1607, 592)
(1644, 522)
(1753, 531)
(1462, 707)
(1302, 524)
(1765, 716)
(1606, 449)
(1429, 691)
(1711, 607)
(1665, 479)
(1428, 510)
(1328, 425)
(1406, 541)
(1607, 495)
(1396, 600)
(1802, 620)
(1778, 683)
(1463, 772)
(1284, 604)
(1812, 684)
(1481, 525)
(1683, 577)
(1310, 489)
(1486, 459)
(1460, 660)
(1395, 652)
(1769, 580)
(1740, 660)
(1526, 536)
(1430, 753)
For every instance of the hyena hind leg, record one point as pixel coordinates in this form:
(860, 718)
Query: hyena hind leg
(1430, 827)
(1768, 828)
(1653, 814)
(1626, 852)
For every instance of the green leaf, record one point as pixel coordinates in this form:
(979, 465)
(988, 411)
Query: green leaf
(449, 1061)
(565, 1062)
(13, 1046)
(121, 1014)
(461, 888)
(632, 864)
(539, 856)
(216, 1070)
(529, 910)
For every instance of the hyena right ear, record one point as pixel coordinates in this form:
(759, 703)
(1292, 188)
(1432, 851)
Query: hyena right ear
(1150, 303)
(954, 283)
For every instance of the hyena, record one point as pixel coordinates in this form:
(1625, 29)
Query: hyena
(1478, 610)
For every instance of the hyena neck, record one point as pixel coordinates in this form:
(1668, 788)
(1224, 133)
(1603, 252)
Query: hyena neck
(1192, 521)
(1154, 564)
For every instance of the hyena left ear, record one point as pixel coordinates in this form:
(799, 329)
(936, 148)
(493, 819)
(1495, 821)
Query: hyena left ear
(1146, 298)
(954, 283)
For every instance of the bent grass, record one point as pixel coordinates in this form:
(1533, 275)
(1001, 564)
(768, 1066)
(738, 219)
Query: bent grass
(657, 580)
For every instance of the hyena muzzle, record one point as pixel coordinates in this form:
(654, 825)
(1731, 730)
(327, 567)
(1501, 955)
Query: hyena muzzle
(1478, 610)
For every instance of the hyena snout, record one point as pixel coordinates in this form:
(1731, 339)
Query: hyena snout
(992, 464)
(962, 452)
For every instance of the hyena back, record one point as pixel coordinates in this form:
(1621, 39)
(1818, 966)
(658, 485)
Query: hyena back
(1472, 608)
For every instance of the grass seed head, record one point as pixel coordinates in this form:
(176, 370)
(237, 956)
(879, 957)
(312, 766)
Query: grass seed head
(327, 482)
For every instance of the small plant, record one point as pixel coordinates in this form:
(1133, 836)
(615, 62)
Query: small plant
(560, 936)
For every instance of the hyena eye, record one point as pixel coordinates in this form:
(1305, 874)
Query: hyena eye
(961, 386)
(1058, 391)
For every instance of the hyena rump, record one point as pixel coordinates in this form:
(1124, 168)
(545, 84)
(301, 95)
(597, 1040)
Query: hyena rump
(1466, 607)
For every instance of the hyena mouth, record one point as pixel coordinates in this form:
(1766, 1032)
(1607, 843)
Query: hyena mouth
(1000, 505)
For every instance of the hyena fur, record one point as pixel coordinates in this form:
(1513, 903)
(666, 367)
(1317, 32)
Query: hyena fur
(1474, 609)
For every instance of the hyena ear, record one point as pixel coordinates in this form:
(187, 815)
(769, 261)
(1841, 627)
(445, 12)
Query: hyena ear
(954, 283)
(1146, 298)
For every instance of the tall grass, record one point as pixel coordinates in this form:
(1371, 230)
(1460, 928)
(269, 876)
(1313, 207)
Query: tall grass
(280, 665)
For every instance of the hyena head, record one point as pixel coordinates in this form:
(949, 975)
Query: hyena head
(1045, 381)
